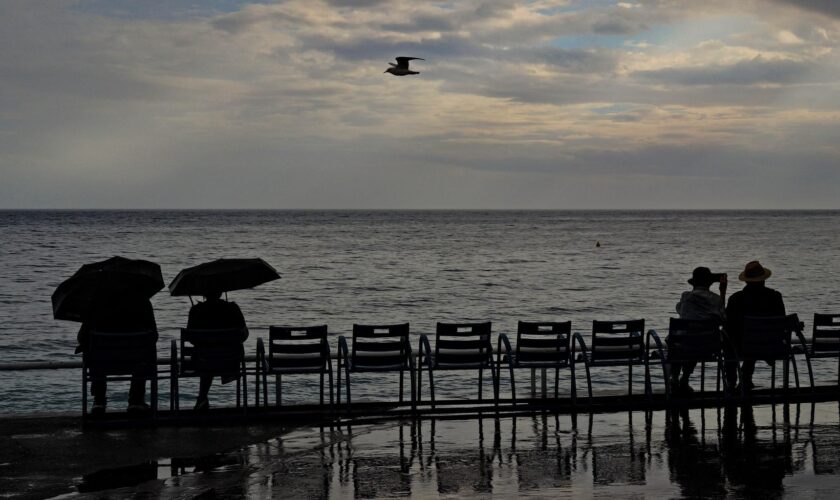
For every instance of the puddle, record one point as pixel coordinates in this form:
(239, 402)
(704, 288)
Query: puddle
(767, 451)
(133, 475)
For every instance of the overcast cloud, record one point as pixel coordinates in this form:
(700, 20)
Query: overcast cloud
(541, 104)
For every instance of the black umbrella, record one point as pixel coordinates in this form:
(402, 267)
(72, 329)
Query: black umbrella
(222, 275)
(73, 298)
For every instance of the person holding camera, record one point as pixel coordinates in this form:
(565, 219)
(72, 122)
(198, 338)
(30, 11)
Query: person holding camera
(699, 303)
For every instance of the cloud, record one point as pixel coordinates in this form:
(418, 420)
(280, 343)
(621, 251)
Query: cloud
(829, 7)
(754, 71)
(285, 104)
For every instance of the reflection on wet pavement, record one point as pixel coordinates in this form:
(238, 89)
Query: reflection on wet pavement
(767, 451)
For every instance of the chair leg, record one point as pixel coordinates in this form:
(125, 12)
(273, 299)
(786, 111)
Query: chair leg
(556, 383)
(480, 382)
(810, 371)
(244, 389)
(154, 395)
(338, 383)
(85, 396)
(432, 386)
(512, 383)
(402, 382)
(588, 381)
(349, 400)
(257, 379)
(238, 393)
(278, 389)
(413, 390)
(419, 394)
(330, 378)
(702, 377)
(630, 379)
(772, 376)
(265, 389)
(321, 394)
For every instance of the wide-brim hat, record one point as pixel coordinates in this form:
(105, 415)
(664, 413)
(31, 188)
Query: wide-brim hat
(754, 272)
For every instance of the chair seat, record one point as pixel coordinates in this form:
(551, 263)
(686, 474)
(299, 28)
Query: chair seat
(293, 370)
(539, 364)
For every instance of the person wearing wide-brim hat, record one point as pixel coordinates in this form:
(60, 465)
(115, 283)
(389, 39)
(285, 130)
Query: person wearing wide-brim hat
(700, 304)
(755, 299)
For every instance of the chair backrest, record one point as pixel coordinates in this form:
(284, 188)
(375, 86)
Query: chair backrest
(121, 353)
(694, 339)
(302, 348)
(768, 338)
(463, 345)
(543, 342)
(617, 341)
(826, 333)
(212, 351)
(380, 347)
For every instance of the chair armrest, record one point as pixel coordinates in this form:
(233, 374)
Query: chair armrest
(727, 340)
(425, 346)
(343, 351)
(410, 354)
(261, 361)
(802, 341)
(173, 357)
(577, 339)
(504, 341)
(651, 334)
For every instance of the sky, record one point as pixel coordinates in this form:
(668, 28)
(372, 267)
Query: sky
(543, 104)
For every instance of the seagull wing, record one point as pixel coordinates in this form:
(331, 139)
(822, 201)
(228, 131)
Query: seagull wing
(402, 62)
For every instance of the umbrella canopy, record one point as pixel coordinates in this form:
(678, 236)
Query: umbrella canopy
(222, 275)
(73, 298)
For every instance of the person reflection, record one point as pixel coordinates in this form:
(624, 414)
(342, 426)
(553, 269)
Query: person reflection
(754, 468)
(694, 466)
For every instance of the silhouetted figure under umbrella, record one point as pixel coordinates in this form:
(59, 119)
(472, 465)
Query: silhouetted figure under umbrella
(211, 279)
(111, 296)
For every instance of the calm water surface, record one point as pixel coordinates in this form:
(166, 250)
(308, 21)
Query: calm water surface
(341, 267)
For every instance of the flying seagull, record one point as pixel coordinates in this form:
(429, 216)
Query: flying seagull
(401, 68)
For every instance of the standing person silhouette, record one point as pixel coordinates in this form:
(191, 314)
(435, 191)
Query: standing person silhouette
(212, 314)
(117, 313)
(755, 299)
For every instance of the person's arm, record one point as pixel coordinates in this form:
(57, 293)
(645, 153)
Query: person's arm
(723, 283)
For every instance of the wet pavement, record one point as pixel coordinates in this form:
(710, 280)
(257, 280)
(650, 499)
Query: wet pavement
(766, 451)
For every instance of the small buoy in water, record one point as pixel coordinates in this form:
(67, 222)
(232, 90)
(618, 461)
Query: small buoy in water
(597, 244)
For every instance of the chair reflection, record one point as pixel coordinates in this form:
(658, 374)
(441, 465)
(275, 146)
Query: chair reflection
(712, 452)
(382, 476)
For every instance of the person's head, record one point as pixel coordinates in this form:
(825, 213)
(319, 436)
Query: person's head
(212, 295)
(754, 272)
(703, 277)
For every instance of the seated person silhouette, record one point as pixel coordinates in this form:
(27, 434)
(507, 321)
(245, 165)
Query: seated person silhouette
(755, 299)
(116, 313)
(698, 304)
(213, 314)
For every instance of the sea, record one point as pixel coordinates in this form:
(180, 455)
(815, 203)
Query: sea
(341, 267)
